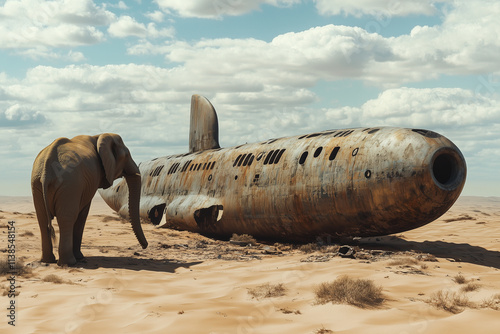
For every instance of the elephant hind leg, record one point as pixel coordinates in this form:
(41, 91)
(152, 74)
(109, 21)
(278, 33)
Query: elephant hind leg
(66, 225)
(46, 229)
(78, 232)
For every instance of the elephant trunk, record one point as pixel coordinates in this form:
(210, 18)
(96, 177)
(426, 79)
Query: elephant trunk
(134, 188)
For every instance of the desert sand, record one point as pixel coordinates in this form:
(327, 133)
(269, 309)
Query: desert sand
(187, 283)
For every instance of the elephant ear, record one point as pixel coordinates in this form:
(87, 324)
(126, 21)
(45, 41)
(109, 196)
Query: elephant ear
(105, 144)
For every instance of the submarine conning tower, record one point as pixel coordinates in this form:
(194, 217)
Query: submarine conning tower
(204, 125)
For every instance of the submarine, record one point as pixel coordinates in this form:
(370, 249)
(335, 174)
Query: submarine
(339, 183)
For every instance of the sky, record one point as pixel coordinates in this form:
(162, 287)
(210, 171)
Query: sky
(271, 68)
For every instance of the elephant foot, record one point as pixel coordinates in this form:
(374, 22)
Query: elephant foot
(69, 261)
(48, 259)
(79, 256)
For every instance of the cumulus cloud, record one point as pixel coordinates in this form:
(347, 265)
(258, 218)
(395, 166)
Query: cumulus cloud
(156, 16)
(444, 108)
(377, 7)
(292, 60)
(58, 23)
(19, 116)
(217, 8)
(465, 43)
(127, 26)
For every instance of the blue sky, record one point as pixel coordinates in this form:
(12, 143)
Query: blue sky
(271, 68)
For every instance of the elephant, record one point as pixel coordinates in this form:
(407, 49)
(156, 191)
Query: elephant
(65, 177)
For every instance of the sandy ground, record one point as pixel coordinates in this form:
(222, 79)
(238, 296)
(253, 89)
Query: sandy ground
(187, 283)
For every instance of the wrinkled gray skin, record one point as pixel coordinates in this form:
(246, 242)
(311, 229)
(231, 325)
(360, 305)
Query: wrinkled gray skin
(66, 175)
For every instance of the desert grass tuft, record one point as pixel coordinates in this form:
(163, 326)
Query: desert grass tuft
(27, 234)
(492, 302)
(55, 279)
(309, 248)
(19, 268)
(267, 291)
(404, 261)
(450, 301)
(244, 239)
(323, 330)
(459, 279)
(470, 287)
(345, 290)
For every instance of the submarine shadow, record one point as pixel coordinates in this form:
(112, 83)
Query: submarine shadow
(462, 252)
(136, 264)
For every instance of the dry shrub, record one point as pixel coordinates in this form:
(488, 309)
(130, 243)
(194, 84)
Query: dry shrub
(55, 279)
(492, 303)
(470, 287)
(459, 279)
(244, 239)
(345, 290)
(267, 291)
(323, 330)
(20, 268)
(309, 248)
(404, 261)
(27, 234)
(427, 258)
(450, 301)
(285, 310)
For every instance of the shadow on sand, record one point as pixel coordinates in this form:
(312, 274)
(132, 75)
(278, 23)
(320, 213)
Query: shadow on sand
(130, 263)
(442, 249)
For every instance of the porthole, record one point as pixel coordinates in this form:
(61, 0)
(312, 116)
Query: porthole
(273, 157)
(333, 155)
(368, 174)
(242, 159)
(268, 156)
(303, 158)
(210, 177)
(247, 159)
(312, 135)
(355, 152)
(279, 156)
(236, 161)
(318, 151)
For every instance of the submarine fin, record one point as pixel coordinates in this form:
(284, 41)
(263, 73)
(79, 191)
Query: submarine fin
(204, 125)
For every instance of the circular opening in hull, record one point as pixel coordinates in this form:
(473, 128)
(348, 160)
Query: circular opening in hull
(446, 171)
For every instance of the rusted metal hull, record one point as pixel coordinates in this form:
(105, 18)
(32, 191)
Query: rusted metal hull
(351, 182)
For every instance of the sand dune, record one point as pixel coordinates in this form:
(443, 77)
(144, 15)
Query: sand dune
(187, 283)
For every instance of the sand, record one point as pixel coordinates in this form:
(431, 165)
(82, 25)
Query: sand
(187, 283)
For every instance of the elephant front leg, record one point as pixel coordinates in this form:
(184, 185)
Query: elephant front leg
(78, 232)
(46, 229)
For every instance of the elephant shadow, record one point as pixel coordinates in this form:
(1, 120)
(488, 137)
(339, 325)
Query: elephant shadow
(136, 264)
(462, 252)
